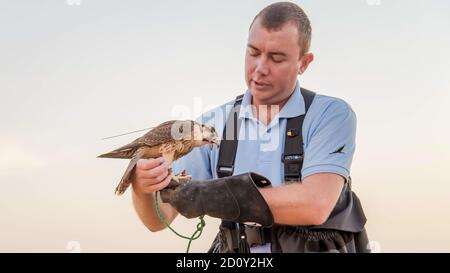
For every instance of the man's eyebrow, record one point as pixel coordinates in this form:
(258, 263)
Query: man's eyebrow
(278, 53)
(270, 53)
(253, 47)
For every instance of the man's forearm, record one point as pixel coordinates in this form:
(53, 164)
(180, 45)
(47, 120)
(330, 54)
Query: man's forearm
(144, 204)
(289, 206)
(306, 203)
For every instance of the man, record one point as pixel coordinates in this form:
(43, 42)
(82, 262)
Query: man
(320, 213)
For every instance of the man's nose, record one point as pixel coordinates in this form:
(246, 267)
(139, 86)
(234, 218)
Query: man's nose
(262, 66)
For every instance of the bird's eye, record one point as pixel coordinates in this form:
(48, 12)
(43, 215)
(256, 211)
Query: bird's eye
(180, 130)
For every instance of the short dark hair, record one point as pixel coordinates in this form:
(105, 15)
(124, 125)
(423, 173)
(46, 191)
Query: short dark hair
(276, 15)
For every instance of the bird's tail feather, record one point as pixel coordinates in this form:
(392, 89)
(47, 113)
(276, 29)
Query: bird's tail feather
(122, 152)
(127, 177)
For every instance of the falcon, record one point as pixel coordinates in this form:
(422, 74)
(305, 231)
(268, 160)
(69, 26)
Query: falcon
(171, 140)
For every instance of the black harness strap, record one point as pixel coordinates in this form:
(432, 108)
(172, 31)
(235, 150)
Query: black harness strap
(228, 147)
(293, 144)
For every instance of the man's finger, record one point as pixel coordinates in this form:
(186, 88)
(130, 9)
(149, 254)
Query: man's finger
(161, 169)
(150, 181)
(147, 164)
(163, 176)
(161, 185)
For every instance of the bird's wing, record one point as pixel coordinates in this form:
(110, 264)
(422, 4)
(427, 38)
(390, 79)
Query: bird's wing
(157, 136)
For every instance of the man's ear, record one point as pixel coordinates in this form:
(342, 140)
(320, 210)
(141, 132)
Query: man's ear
(305, 61)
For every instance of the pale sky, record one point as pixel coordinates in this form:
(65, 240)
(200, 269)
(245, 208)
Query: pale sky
(72, 74)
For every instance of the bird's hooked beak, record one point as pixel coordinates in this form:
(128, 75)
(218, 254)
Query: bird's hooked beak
(212, 139)
(211, 136)
(215, 140)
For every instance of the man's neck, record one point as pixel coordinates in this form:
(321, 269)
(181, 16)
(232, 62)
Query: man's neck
(265, 112)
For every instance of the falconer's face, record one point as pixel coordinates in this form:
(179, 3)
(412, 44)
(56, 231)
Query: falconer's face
(272, 62)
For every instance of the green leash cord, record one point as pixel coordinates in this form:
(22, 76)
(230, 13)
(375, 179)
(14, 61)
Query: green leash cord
(194, 236)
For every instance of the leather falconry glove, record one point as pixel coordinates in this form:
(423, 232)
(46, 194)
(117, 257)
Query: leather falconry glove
(232, 198)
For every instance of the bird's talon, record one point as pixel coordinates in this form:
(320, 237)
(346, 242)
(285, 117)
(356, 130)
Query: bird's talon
(175, 178)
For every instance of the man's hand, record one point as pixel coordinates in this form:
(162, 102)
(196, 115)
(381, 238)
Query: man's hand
(151, 175)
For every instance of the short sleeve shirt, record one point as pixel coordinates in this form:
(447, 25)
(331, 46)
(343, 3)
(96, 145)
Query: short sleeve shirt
(328, 132)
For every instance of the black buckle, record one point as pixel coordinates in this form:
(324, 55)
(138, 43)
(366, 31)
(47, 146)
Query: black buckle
(224, 171)
(292, 170)
(257, 235)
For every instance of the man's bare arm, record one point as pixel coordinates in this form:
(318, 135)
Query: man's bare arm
(306, 203)
(144, 204)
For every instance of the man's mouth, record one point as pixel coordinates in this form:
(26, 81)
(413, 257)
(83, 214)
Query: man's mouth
(260, 84)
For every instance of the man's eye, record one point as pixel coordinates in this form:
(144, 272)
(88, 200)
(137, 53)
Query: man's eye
(277, 60)
(253, 53)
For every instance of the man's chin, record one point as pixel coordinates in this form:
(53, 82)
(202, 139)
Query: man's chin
(261, 95)
(262, 91)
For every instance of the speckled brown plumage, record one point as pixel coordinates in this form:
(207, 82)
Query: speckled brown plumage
(171, 140)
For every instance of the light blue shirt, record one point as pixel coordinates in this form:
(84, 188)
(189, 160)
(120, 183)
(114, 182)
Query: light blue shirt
(329, 130)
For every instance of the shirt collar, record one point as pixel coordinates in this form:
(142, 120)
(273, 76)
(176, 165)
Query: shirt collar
(294, 107)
